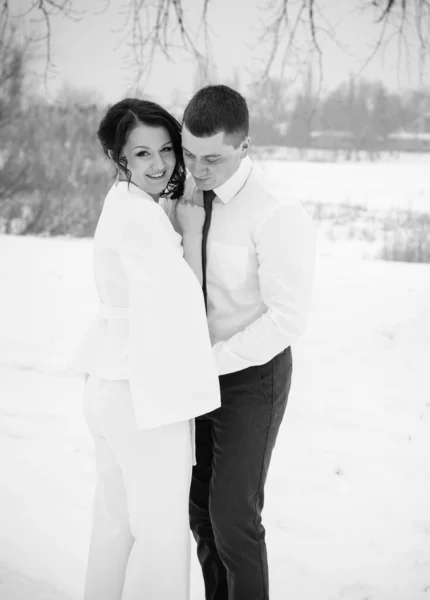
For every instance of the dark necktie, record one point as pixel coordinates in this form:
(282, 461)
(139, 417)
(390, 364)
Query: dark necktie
(208, 197)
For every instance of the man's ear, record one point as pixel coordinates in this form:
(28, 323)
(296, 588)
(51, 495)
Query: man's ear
(244, 148)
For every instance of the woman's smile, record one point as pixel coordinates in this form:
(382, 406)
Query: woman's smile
(158, 175)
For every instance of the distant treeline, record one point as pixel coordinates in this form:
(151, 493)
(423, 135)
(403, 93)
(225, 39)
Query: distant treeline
(52, 172)
(357, 115)
(53, 176)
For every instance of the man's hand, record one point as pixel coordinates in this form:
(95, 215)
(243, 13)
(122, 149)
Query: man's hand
(190, 217)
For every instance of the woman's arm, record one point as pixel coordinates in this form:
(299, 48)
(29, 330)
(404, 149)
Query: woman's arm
(190, 218)
(173, 375)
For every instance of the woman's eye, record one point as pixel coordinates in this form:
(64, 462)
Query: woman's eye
(212, 160)
(142, 153)
(168, 149)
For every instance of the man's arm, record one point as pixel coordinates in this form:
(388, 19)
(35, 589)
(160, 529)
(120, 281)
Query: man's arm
(285, 245)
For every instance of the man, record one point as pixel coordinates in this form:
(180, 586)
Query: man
(259, 255)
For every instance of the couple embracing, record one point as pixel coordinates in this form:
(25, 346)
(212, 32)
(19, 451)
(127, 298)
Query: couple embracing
(204, 281)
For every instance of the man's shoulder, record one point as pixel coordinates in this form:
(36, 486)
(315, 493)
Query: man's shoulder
(268, 196)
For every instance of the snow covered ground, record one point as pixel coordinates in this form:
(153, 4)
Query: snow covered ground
(346, 512)
(375, 185)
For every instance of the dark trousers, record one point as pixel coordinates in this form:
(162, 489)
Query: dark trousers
(234, 445)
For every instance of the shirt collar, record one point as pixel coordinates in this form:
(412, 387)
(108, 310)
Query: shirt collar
(228, 190)
(134, 189)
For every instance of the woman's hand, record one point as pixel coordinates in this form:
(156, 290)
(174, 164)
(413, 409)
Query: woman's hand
(190, 218)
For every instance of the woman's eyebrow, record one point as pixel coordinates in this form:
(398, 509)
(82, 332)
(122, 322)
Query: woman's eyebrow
(148, 148)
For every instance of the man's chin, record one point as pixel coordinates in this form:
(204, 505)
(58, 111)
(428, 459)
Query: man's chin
(203, 184)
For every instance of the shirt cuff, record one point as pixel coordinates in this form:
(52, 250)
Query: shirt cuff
(226, 361)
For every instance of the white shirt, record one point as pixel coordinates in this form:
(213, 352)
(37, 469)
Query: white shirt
(151, 327)
(260, 269)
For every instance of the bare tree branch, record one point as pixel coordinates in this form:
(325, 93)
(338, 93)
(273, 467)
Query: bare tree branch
(46, 18)
(4, 20)
(274, 31)
(374, 52)
(152, 26)
(389, 7)
(316, 44)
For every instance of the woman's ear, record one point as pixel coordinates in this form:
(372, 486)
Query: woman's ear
(122, 159)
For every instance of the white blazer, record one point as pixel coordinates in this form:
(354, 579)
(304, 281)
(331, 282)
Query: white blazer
(151, 327)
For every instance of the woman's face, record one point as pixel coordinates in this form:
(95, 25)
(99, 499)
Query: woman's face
(150, 158)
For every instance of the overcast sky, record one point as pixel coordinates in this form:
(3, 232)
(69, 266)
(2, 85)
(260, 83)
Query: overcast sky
(85, 53)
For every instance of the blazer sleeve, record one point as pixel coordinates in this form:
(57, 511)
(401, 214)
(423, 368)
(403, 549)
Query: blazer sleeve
(173, 375)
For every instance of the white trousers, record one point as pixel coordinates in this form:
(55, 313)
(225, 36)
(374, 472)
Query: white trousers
(140, 541)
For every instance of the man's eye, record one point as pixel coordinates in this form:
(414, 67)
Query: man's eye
(212, 160)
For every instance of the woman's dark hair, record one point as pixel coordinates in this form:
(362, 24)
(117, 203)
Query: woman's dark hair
(122, 118)
(217, 108)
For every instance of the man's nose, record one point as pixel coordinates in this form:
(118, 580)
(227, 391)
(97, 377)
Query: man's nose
(200, 169)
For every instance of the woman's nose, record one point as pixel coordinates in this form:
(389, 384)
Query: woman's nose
(158, 163)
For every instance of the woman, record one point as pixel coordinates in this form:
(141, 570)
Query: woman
(149, 364)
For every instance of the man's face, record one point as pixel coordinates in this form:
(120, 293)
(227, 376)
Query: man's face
(212, 160)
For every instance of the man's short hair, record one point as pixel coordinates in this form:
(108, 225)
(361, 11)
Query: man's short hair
(217, 108)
